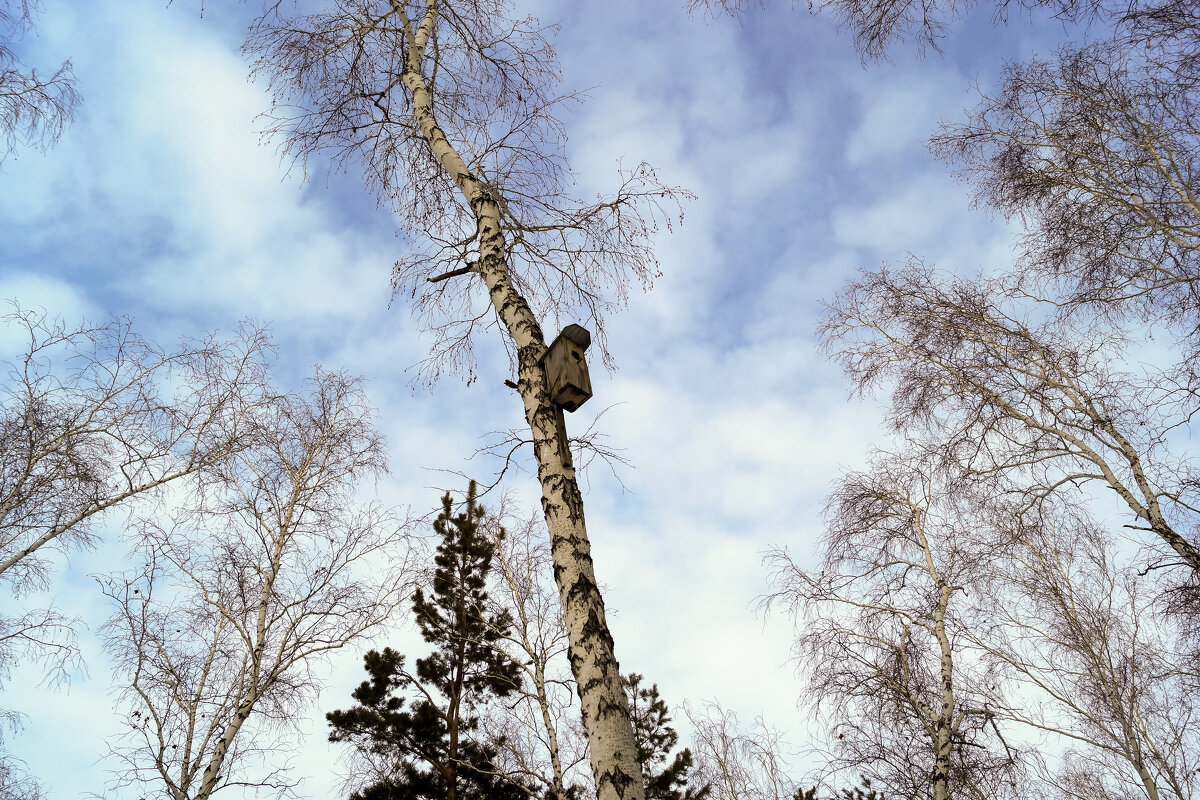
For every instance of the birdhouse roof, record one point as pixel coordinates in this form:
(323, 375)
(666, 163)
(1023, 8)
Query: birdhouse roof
(573, 333)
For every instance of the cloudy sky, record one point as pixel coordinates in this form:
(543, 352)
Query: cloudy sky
(162, 203)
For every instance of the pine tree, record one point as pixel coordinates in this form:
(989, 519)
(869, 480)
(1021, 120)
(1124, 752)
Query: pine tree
(863, 792)
(423, 748)
(655, 739)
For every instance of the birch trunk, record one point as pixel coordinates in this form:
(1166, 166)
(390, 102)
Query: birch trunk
(1147, 780)
(606, 719)
(535, 669)
(945, 719)
(252, 682)
(559, 786)
(212, 772)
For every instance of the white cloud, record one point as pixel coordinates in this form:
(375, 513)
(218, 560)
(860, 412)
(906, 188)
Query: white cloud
(40, 294)
(167, 160)
(929, 215)
(900, 110)
(161, 201)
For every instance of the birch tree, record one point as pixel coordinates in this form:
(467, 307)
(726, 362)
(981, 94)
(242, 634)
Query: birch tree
(536, 740)
(1032, 412)
(93, 418)
(1095, 150)
(883, 637)
(1045, 404)
(1082, 639)
(267, 567)
(449, 108)
(87, 422)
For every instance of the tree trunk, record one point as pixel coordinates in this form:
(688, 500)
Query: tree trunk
(945, 719)
(1132, 747)
(597, 675)
(212, 772)
(560, 788)
(253, 686)
(1147, 781)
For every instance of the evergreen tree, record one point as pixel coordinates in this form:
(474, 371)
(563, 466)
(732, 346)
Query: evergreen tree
(422, 748)
(655, 739)
(863, 792)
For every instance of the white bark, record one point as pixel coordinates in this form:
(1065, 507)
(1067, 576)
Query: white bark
(1095, 663)
(266, 568)
(605, 714)
(945, 718)
(538, 638)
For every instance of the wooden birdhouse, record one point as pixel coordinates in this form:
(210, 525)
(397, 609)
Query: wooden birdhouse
(566, 369)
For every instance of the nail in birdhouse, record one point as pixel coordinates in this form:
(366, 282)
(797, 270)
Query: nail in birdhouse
(566, 369)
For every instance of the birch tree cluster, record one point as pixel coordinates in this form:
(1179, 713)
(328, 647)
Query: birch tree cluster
(1005, 601)
(253, 556)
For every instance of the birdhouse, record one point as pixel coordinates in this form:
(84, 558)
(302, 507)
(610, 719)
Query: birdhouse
(566, 369)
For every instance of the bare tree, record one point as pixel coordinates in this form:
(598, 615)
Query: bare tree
(1034, 412)
(1093, 658)
(1045, 404)
(877, 25)
(538, 744)
(92, 417)
(449, 106)
(34, 109)
(15, 784)
(87, 421)
(267, 567)
(1096, 151)
(884, 636)
(738, 763)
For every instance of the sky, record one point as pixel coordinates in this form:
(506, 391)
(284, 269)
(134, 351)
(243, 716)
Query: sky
(162, 202)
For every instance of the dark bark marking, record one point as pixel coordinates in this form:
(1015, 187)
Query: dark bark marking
(619, 780)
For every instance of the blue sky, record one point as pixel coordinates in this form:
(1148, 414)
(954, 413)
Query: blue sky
(161, 203)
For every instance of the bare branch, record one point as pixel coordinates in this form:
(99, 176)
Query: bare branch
(34, 109)
(883, 635)
(1096, 151)
(1043, 404)
(266, 569)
